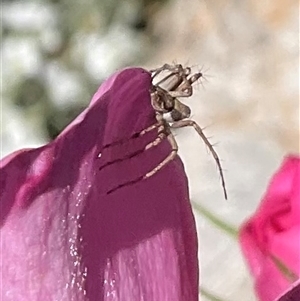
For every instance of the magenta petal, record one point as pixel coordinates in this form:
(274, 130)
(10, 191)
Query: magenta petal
(64, 238)
(292, 294)
(274, 232)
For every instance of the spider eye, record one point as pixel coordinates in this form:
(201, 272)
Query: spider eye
(168, 105)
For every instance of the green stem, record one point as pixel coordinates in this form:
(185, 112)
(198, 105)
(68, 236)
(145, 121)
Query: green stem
(229, 229)
(285, 271)
(233, 232)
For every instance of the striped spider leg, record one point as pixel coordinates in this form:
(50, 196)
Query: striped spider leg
(165, 100)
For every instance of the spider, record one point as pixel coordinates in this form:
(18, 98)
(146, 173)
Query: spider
(165, 103)
(170, 114)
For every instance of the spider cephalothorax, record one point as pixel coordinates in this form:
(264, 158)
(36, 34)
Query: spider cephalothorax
(178, 83)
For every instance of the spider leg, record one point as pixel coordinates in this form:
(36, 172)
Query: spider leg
(172, 142)
(133, 136)
(174, 83)
(157, 140)
(150, 128)
(185, 88)
(160, 137)
(180, 85)
(184, 93)
(172, 68)
(184, 123)
(168, 159)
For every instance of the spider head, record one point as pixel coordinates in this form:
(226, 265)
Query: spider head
(172, 109)
(162, 102)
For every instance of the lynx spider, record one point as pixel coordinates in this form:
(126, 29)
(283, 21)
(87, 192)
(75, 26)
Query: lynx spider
(165, 100)
(178, 83)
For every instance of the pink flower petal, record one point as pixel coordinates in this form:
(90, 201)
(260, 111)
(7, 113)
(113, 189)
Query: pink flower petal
(292, 294)
(274, 232)
(64, 238)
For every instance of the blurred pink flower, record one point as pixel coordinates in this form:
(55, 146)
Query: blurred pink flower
(63, 237)
(270, 239)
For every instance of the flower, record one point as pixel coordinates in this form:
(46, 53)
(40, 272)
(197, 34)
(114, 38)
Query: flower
(65, 237)
(292, 294)
(270, 239)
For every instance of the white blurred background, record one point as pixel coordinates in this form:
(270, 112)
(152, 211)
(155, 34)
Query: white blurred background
(56, 53)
